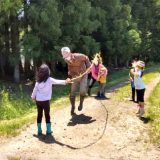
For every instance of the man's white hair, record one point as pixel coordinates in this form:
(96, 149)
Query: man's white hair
(65, 49)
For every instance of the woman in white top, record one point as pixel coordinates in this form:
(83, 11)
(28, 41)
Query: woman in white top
(139, 86)
(42, 93)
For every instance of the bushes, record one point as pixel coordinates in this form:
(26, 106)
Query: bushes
(14, 105)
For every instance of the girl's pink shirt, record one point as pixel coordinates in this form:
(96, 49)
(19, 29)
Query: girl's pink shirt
(95, 73)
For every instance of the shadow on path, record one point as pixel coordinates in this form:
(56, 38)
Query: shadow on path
(80, 119)
(99, 98)
(49, 139)
(76, 119)
(145, 119)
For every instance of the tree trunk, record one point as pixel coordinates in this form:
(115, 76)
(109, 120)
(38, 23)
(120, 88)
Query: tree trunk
(2, 65)
(7, 47)
(27, 64)
(53, 67)
(116, 61)
(15, 46)
(27, 69)
(16, 73)
(127, 63)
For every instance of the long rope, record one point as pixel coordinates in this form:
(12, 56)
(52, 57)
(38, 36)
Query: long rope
(106, 119)
(90, 144)
(51, 139)
(103, 132)
(102, 105)
(81, 75)
(88, 69)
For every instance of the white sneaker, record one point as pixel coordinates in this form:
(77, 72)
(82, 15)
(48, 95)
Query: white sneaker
(141, 113)
(138, 112)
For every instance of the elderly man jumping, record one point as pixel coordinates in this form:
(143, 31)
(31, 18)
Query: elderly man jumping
(77, 65)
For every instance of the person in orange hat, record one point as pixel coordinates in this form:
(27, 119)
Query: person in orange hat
(96, 62)
(139, 86)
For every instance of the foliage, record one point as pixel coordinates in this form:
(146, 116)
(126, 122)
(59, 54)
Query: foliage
(43, 19)
(13, 104)
(120, 29)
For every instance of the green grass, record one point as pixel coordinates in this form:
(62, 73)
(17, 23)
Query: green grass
(18, 110)
(11, 127)
(14, 158)
(153, 113)
(117, 77)
(153, 71)
(14, 105)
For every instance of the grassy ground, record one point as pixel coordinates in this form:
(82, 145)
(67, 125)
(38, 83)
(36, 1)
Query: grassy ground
(17, 109)
(154, 114)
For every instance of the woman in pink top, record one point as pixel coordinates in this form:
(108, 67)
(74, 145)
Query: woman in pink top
(96, 75)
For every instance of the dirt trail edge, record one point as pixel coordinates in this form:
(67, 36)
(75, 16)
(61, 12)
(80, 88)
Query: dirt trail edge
(104, 130)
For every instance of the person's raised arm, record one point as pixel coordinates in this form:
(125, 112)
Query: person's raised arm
(60, 82)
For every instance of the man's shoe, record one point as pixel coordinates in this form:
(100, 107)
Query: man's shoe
(102, 96)
(89, 92)
(80, 107)
(73, 113)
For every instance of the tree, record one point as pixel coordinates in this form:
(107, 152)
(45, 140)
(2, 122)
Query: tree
(40, 41)
(10, 9)
(77, 25)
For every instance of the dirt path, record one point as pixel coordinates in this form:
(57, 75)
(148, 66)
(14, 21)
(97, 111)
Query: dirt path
(103, 130)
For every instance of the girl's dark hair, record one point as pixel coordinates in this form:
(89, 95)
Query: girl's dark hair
(43, 73)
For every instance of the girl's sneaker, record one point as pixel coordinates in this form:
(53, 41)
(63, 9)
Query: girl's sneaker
(138, 112)
(141, 114)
